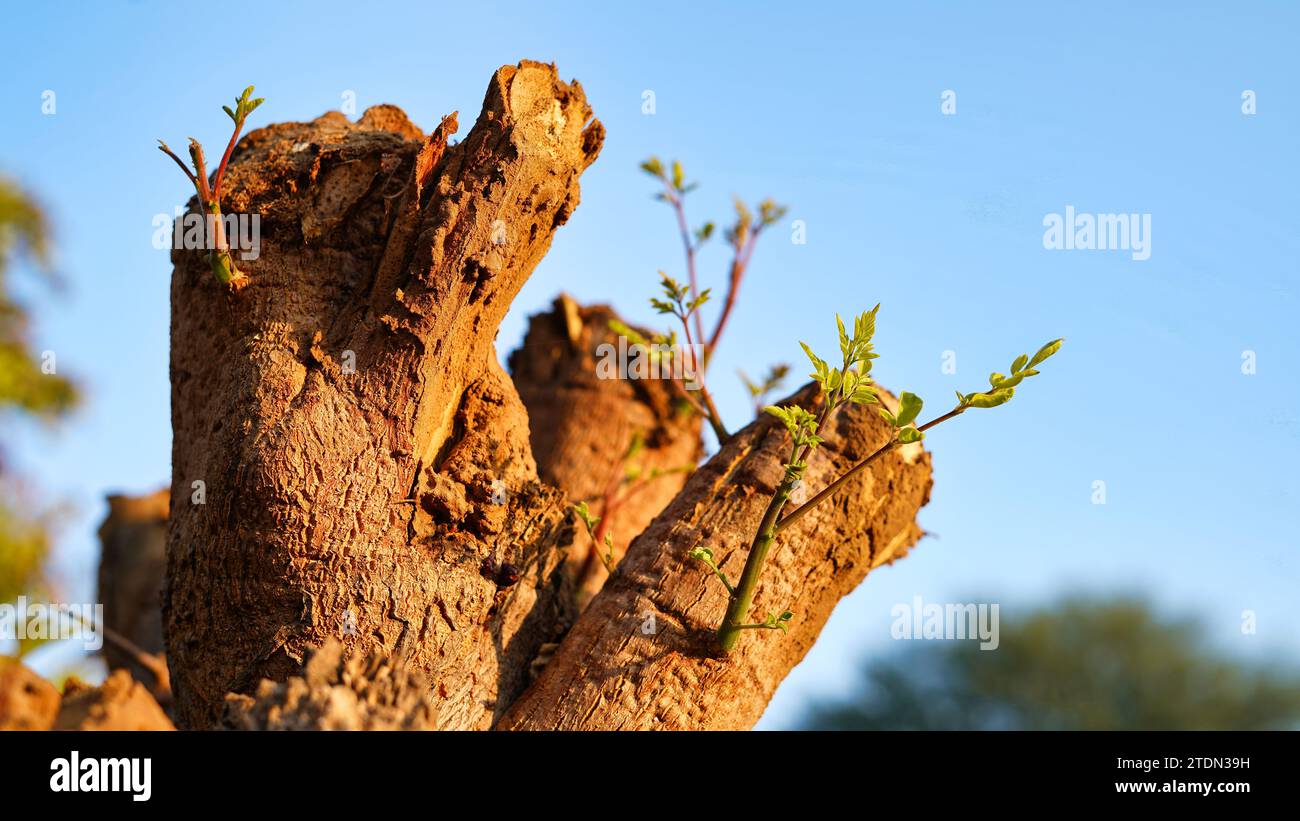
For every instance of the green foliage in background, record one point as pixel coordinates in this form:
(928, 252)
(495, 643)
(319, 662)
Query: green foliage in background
(24, 234)
(24, 390)
(1082, 664)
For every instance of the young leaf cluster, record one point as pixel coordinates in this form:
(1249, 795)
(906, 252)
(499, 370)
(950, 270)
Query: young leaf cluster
(678, 299)
(656, 346)
(851, 381)
(1001, 387)
(776, 621)
(219, 257)
(591, 521)
(705, 556)
(904, 422)
(243, 107)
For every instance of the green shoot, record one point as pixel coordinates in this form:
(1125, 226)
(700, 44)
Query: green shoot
(772, 622)
(592, 523)
(219, 257)
(681, 302)
(851, 382)
(705, 556)
(1001, 392)
(741, 236)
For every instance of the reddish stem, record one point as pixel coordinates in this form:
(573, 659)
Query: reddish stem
(225, 158)
(680, 210)
(738, 265)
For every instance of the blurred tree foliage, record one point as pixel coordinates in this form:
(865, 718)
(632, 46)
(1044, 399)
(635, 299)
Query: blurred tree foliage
(1083, 664)
(25, 390)
(24, 235)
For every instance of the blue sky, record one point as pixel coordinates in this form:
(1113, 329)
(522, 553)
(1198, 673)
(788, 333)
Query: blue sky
(834, 110)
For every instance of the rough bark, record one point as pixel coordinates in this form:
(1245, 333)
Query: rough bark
(366, 469)
(582, 427)
(642, 654)
(346, 414)
(337, 691)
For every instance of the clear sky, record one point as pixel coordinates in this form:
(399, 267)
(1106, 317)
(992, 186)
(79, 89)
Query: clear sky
(835, 110)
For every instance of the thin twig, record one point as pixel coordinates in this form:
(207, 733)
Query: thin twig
(164, 148)
(679, 208)
(799, 512)
(739, 263)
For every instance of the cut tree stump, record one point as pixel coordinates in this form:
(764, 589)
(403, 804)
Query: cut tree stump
(343, 420)
(350, 462)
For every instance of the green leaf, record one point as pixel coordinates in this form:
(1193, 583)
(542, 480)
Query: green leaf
(834, 379)
(229, 113)
(776, 622)
(780, 413)
(1019, 363)
(679, 176)
(625, 330)
(1011, 381)
(863, 394)
(909, 407)
(584, 513)
(1046, 351)
(663, 307)
(820, 369)
(990, 400)
(702, 553)
(653, 167)
(909, 435)
(888, 417)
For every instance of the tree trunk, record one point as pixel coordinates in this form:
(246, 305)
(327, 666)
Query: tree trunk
(132, 563)
(350, 462)
(642, 656)
(582, 428)
(345, 413)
